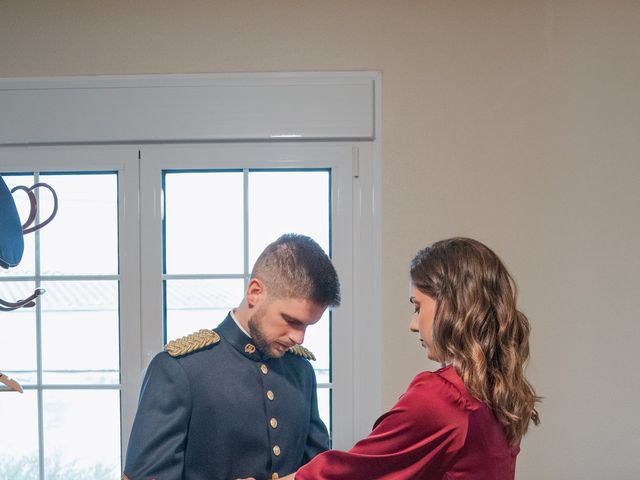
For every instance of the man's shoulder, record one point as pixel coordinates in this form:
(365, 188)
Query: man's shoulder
(300, 351)
(186, 356)
(195, 342)
(298, 359)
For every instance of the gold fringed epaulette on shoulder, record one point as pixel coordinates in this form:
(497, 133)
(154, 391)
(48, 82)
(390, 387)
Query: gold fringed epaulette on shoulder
(191, 343)
(303, 352)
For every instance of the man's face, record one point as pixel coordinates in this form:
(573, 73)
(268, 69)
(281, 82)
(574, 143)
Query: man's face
(280, 323)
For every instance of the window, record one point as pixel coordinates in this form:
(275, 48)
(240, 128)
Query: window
(220, 127)
(85, 347)
(65, 352)
(215, 221)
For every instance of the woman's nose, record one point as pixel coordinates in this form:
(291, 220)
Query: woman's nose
(413, 325)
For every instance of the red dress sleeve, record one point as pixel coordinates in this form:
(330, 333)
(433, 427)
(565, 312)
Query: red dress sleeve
(416, 439)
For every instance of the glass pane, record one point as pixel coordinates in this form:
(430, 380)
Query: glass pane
(196, 304)
(18, 334)
(287, 201)
(80, 342)
(83, 237)
(82, 434)
(27, 264)
(317, 339)
(19, 439)
(324, 406)
(204, 227)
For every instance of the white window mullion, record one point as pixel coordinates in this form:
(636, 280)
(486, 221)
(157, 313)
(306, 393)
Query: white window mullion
(342, 335)
(245, 216)
(131, 363)
(151, 209)
(41, 457)
(367, 345)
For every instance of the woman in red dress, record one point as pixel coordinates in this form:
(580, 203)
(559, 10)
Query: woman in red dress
(466, 420)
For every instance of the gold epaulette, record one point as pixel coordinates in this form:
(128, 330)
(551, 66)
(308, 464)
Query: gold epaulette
(303, 352)
(191, 343)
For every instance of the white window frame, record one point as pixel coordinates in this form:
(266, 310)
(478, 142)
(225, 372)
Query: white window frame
(289, 109)
(123, 161)
(334, 156)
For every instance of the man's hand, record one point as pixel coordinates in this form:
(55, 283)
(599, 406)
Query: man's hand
(288, 477)
(291, 476)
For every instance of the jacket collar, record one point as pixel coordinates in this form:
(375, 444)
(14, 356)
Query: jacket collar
(239, 340)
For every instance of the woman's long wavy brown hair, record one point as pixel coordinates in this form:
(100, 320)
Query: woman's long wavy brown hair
(478, 328)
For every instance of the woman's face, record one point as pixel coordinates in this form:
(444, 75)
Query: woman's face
(422, 319)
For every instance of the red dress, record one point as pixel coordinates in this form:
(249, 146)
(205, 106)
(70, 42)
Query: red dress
(436, 431)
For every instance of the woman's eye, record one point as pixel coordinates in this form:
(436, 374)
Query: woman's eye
(416, 308)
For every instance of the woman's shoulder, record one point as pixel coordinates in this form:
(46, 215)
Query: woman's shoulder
(443, 387)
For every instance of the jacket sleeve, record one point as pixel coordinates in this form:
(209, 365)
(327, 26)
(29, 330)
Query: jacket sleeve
(318, 437)
(158, 437)
(417, 438)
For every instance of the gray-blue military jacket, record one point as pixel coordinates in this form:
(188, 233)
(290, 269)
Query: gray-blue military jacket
(225, 412)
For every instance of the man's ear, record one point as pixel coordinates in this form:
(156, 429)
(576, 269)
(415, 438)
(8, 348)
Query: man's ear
(256, 292)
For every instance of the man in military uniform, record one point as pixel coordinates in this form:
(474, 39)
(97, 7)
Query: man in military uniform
(240, 400)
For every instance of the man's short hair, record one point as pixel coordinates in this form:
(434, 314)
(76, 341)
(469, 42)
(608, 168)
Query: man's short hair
(295, 266)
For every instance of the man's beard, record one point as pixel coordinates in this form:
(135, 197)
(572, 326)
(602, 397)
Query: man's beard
(257, 335)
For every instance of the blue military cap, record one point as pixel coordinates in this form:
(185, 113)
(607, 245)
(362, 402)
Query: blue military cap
(11, 238)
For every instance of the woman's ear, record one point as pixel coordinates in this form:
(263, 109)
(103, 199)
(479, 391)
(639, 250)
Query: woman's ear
(256, 293)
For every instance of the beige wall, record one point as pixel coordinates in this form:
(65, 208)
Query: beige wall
(516, 122)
